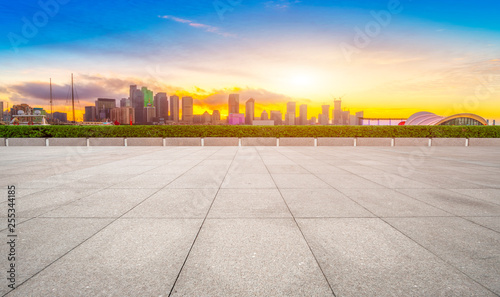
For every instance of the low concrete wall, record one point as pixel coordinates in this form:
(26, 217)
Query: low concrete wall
(106, 141)
(27, 142)
(143, 141)
(258, 141)
(221, 141)
(183, 141)
(484, 141)
(296, 141)
(67, 141)
(335, 141)
(369, 141)
(249, 141)
(411, 141)
(449, 141)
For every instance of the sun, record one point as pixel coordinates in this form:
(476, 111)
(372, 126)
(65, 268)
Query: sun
(302, 80)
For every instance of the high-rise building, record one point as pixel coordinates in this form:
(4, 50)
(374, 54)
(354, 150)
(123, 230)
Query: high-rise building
(290, 113)
(206, 118)
(138, 105)
(358, 118)
(103, 108)
(161, 105)
(264, 116)
(236, 119)
(148, 97)
(289, 119)
(277, 117)
(90, 114)
(337, 112)
(249, 111)
(215, 116)
(1, 110)
(345, 118)
(325, 115)
(125, 102)
(149, 113)
(322, 120)
(133, 88)
(187, 109)
(291, 107)
(303, 115)
(123, 115)
(174, 108)
(234, 103)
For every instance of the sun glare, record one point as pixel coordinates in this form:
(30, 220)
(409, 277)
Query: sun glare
(303, 80)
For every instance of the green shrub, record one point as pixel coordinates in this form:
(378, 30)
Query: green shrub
(250, 131)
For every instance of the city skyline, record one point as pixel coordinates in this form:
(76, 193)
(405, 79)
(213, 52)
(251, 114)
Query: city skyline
(390, 58)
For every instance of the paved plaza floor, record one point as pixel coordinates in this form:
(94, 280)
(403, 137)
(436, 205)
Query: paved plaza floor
(252, 221)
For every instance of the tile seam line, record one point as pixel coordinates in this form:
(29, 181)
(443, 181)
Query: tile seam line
(338, 190)
(398, 191)
(452, 215)
(109, 187)
(385, 221)
(202, 223)
(440, 258)
(91, 236)
(298, 226)
(356, 174)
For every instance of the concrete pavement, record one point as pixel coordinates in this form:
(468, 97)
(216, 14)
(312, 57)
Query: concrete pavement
(252, 221)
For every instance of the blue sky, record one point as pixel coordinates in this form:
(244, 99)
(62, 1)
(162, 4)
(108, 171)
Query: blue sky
(430, 55)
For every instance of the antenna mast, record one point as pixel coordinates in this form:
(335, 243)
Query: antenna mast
(73, 98)
(51, 113)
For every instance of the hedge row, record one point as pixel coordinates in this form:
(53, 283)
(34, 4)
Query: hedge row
(250, 131)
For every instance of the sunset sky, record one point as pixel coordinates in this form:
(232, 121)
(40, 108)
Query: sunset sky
(389, 58)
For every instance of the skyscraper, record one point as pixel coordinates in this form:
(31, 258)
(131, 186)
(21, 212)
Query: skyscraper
(1, 110)
(337, 112)
(303, 115)
(358, 118)
(215, 116)
(206, 118)
(174, 108)
(161, 104)
(103, 108)
(148, 97)
(249, 111)
(290, 113)
(345, 117)
(90, 114)
(234, 103)
(138, 105)
(187, 109)
(277, 117)
(264, 116)
(123, 115)
(133, 88)
(149, 113)
(125, 102)
(325, 115)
